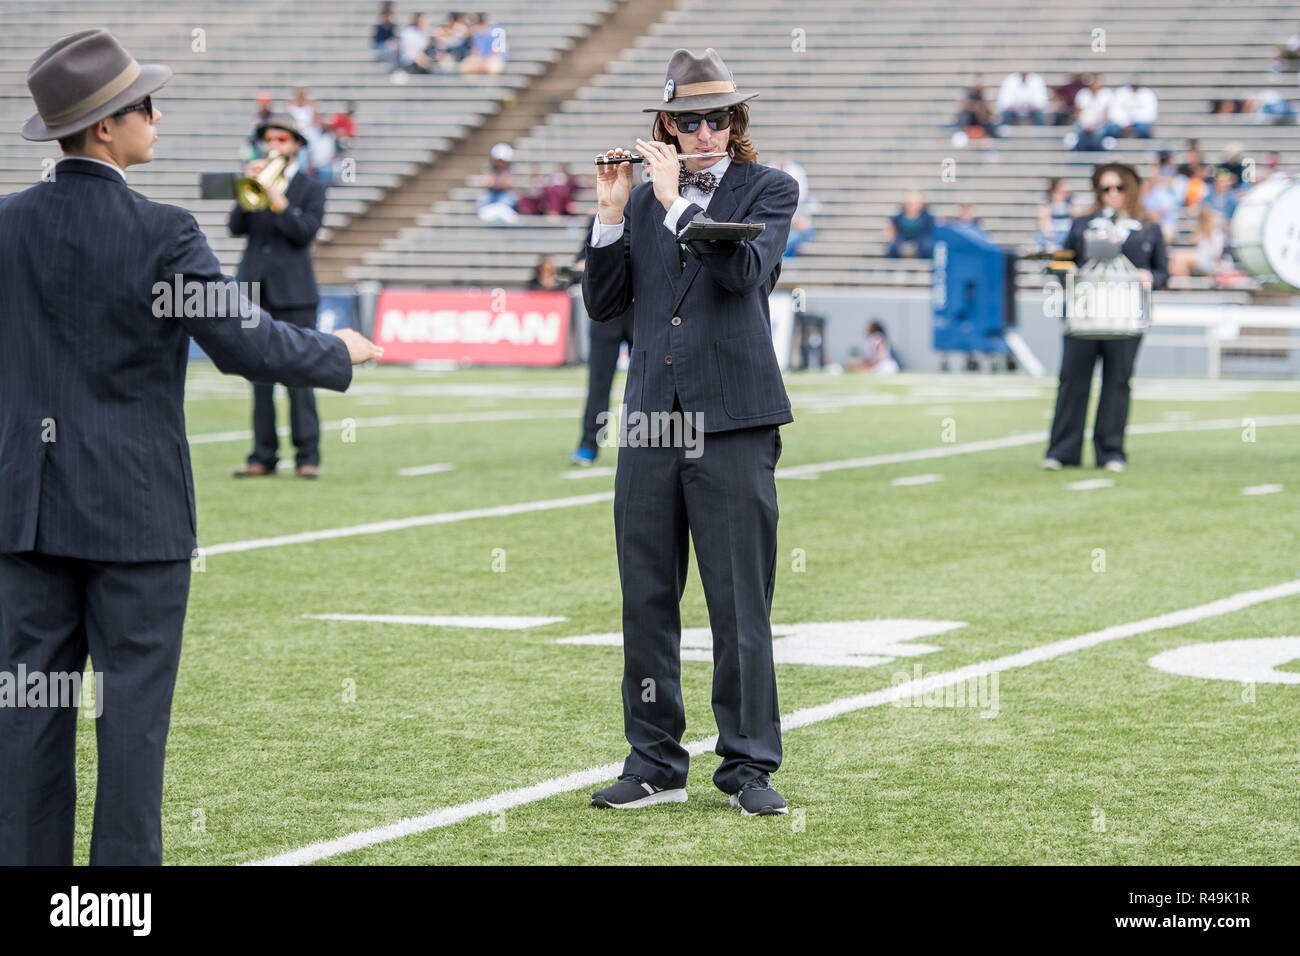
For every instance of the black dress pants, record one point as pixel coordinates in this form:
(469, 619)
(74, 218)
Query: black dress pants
(1117, 356)
(128, 617)
(725, 501)
(602, 362)
(304, 426)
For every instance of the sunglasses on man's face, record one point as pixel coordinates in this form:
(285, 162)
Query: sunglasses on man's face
(146, 106)
(690, 122)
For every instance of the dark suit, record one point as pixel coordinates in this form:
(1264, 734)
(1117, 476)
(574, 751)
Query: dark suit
(97, 517)
(1144, 248)
(606, 341)
(278, 256)
(704, 347)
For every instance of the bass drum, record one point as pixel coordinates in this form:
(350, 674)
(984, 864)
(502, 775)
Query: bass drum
(1266, 233)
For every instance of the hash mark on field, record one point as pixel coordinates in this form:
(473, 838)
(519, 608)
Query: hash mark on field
(590, 472)
(909, 480)
(1090, 484)
(490, 622)
(1261, 490)
(424, 470)
(506, 799)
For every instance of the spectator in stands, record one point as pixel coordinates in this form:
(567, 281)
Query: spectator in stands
(1191, 164)
(967, 220)
(253, 148)
(910, 231)
(801, 225)
(975, 120)
(1208, 257)
(1287, 56)
(333, 144)
(879, 358)
(1272, 107)
(1055, 216)
(383, 39)
(1234, 162)
(544, 278)
(490, 48)
(558, 193)
(453, 41)
(303, 110)
(498, 200)
(1162, 201)
(1022, 98)
(1133, 110)
(1063, 96)
(1222, 198)
(1094, 129)
(413, 54)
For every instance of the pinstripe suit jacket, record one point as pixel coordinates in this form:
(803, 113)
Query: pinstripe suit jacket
(93, 457)
(718, 358)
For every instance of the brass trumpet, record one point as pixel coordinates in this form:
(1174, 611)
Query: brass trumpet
(253, 192)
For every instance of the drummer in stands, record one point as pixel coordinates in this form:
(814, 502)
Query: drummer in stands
(1118, 192)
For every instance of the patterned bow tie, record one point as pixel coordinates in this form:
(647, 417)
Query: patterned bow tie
(705, 181)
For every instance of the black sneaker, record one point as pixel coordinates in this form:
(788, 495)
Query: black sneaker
(632, 792)
(758, 798)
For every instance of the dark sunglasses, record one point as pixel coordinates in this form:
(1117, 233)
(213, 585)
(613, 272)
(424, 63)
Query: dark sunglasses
(690, 122)
(1115, 189)
(147, 106)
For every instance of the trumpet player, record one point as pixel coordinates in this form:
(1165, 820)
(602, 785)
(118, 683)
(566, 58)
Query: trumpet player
(278, 257)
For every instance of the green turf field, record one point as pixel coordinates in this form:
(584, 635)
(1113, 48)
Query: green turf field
(288, 731)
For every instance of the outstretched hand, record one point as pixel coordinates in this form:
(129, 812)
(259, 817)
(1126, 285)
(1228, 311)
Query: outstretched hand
(360, 348)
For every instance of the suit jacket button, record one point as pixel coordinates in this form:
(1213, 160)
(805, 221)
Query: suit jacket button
(677, 320)
(668, 360)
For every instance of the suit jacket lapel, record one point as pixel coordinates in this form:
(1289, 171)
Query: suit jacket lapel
(721, 208)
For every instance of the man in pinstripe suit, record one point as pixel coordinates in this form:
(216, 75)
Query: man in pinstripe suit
(704, 353)
(97, 522)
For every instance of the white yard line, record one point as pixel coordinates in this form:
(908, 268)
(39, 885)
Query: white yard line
(425, 470)
(799, 718)
(798, 471)
(389, 421)
(401, 524)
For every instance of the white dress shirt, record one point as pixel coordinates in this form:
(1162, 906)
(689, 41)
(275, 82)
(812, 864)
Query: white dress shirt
(603, 234)
(91, 159)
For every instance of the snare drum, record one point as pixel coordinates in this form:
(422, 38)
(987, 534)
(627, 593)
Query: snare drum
(1106, 300)
(1266, 232)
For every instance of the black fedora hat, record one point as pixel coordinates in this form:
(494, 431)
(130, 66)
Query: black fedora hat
(82, 79)
(698, 84)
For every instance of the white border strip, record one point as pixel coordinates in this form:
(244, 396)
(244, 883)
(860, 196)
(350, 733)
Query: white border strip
(800, 718)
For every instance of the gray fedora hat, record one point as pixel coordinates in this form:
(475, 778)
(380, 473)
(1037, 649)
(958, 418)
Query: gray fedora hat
(82, 79)
(281, 121)
(697, 84)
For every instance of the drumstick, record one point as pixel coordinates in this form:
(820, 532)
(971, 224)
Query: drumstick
(614, 160)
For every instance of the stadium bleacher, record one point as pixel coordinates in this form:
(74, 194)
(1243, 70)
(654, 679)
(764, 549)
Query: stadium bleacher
(859, 93)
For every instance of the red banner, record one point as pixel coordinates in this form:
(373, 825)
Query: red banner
(482, 327)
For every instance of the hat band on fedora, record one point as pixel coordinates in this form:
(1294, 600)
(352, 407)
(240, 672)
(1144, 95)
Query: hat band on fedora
(710, 86)
(96, 99)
